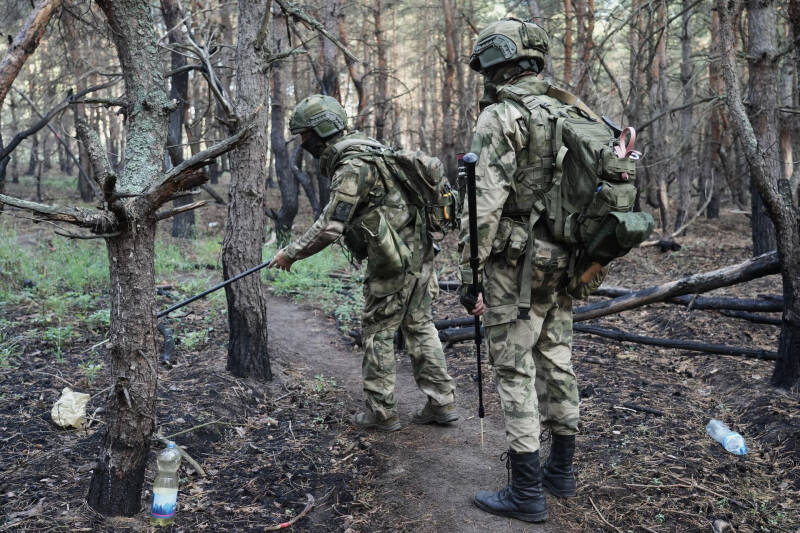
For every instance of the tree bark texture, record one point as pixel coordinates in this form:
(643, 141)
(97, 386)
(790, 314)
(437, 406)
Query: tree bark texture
(248, 353)
(116, 485)
(448, 134)
(684, 162)
(283, 165)
(382, 99)
(182, 223)
(25, 43)
(567, 42)
(778, 198)
(763, 111)
(330, 80)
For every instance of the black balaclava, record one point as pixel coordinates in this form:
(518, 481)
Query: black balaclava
(314, 144)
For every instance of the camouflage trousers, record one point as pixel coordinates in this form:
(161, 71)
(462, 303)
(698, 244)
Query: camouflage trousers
(410, 310)
(531, 358)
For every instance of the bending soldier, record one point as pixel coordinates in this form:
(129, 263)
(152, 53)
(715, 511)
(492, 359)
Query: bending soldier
(370, 210)
(527, 311)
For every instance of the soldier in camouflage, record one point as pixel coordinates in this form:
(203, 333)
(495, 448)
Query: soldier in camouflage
(530, 354)
(370, 211)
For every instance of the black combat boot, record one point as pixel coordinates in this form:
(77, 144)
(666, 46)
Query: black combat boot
(523, 498)
(558, 475)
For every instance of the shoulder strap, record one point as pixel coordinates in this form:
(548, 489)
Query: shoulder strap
(568, 98)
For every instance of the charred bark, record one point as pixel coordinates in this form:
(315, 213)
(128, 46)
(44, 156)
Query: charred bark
(248, 353)
(283, 166)
(115, 488)
(182, 223)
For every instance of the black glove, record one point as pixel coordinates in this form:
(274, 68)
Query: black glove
(468, 296)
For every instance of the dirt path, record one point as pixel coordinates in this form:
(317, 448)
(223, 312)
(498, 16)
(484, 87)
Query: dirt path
(430, 473)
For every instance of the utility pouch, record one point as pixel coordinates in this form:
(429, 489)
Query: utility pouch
(549, 262)
(617, 233)
(389, 257)
(510, 240)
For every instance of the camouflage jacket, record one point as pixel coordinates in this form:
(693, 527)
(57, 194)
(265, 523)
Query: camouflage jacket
(361, 196)
(507, 174)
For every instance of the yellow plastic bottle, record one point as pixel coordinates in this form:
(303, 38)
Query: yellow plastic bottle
(165, 486)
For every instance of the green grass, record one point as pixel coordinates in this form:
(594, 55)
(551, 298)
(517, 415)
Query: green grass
(310, 280)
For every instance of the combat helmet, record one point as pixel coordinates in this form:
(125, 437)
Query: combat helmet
(509, 40)
(319, 113)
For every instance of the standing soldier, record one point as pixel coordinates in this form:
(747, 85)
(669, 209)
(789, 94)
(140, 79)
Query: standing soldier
(526, 307)
(373, 213)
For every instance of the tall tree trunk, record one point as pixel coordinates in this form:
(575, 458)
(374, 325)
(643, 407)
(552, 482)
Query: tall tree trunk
(358, 80)
(283, 166)
(447, 154)
(330, 80)
(719, 154)
(116, 485)
(771, 185)
(567, 42)
(33, 157)
(762, 110)
(12, 161)
(182, 223)
(248, 353)
(684, 161)
(382, 83)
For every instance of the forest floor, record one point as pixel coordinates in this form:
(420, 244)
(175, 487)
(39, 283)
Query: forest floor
(264, 447)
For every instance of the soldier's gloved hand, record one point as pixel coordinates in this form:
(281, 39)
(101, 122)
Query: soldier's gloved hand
(471, 299)
(581, 290)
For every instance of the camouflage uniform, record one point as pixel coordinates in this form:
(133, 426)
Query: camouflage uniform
(371, 207)
(531, 358)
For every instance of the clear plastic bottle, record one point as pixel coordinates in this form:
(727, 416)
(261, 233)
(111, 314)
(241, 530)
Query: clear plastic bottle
(165, 486)
(730, 440)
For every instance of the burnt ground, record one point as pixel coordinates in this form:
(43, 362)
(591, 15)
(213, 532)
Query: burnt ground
(263, 447)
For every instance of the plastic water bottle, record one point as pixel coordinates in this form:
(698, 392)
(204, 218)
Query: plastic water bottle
(730, 440)
(165, 487)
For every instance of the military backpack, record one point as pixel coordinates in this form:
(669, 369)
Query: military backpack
(588, 203)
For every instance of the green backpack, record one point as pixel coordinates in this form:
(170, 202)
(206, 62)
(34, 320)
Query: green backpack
(420, 176)
(589, 204)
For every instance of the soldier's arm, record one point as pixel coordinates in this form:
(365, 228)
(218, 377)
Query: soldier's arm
(335, 216)
(499, 135)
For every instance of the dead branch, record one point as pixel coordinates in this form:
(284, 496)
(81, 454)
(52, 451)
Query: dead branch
(757, 267)
(107, 102)
(753, 317)
(294, 520)
(184, 175)
(678, 344)
(93, 219)
(45, 120)
(297, 13)
(24, 44)
(103, 174)
(188, 207)
(70, 235)
(771, 305)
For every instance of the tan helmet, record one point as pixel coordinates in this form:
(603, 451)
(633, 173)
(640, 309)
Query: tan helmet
(509, 40)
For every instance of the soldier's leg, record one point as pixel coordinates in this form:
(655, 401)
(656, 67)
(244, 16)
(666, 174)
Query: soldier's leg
(378, 369)
(422, 342)
(557, 389)
(380, 319)
(556, 385)
(510, 343)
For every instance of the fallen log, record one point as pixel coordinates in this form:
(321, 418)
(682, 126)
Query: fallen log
(679, 344)
(760, 266)
(764, 305)
(454, 335)
(753, 317)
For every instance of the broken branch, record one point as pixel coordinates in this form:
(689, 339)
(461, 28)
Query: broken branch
(757, 267)
(188, 207)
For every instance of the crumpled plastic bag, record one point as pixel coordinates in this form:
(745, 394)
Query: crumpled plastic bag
(70, 409)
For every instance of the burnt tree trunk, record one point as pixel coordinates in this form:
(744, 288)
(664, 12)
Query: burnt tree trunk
(182, 223)
(382, 78)
(248, 353)
(448, 138)
(774, 189)
(684, 162)
(762, 111)
(283, 165)
(116, 485)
